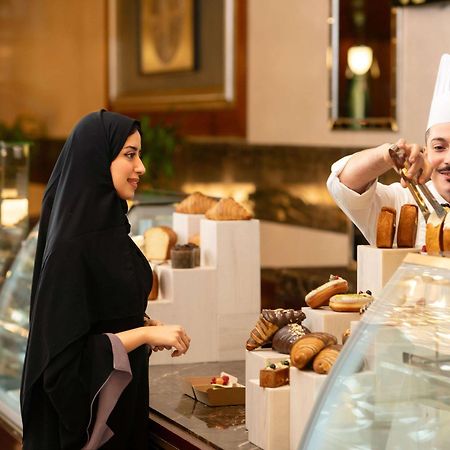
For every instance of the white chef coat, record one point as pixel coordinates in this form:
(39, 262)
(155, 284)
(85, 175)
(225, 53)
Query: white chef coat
(363, 209)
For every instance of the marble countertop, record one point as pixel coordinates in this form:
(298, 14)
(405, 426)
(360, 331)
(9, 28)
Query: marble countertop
(221, 427)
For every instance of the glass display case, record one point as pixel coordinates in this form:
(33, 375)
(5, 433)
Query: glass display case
(14, 314)
(390, 387)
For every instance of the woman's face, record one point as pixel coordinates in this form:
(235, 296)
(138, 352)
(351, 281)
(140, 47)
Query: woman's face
(127, 167)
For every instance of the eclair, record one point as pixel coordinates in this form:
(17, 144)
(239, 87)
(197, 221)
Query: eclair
(321, 295)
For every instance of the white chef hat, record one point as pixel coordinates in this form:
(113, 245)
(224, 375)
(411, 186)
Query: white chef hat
(440, 105)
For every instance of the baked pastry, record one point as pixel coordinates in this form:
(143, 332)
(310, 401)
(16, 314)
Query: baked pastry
(269, 322)
(304, 350)
(228, 209)
(182, 257)
(446, 235)
(407, 226)
(155, 287)
(349, 302)
(434, 234)
(194, 239)
(346, 335)
(285, 337)
(321, 295)
(324, 361)
(274, 375)
(158, 241)
(196, 203)
(386, 227)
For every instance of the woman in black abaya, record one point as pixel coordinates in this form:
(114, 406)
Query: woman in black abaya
(84, 384)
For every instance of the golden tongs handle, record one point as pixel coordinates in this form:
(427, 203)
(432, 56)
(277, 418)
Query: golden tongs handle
(415, 188)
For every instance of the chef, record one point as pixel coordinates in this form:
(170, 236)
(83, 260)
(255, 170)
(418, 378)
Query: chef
(353, 181)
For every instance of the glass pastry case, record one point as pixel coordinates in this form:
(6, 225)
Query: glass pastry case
(390, 387)
(14, 313)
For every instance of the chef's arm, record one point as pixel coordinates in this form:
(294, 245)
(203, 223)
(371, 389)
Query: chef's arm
(364, 167)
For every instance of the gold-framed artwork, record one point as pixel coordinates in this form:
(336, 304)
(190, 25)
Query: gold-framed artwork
(211, 84)
(166, 36)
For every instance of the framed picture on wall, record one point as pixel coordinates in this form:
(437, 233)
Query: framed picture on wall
(166, 36)
(171, 65)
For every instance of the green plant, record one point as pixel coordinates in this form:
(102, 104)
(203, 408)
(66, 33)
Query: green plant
(159, 142)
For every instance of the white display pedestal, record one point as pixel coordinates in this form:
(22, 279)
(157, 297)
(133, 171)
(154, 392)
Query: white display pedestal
(186, 226)
(326, 320)
(305, 388)
(377, 265)
(268, 420)
(217, 303)
(255, 361)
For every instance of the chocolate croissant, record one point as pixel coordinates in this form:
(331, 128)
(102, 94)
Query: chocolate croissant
(269, 322)
(308, 346)
(324, 361)
(228, 209)
(285, 337)
(196, 203)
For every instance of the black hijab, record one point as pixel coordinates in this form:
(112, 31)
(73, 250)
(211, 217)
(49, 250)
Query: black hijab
(84, 272)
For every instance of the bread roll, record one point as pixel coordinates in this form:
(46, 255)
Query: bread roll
(228, 209)
(196, 203)
(321, 295)
(326, 358)
(386, 227)
(158, 241)
(304, 350)
(407, 226)
(433, 235)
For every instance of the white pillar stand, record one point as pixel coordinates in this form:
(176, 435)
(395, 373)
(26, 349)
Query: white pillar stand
(326, 320)
(268, 419)
(186, 225)
(305, 388)
(377, 265)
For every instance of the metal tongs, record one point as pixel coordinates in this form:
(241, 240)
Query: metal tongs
(417, 190)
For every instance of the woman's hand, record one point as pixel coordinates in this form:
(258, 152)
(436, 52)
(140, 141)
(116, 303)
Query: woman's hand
(168, 337)
(415, 161)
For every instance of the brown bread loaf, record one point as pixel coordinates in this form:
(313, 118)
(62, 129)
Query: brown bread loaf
(324, 361)
(407, 226)
(158, 241)
(285, 337)
(386, 227)
(304, 350)
(269, 322)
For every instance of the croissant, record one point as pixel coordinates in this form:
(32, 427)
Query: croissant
(285, 337)
(228, 209)
(269, 322)
(196, 203)
(324, 361)
(304, 350)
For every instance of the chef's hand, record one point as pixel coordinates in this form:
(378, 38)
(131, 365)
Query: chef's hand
(416, 162)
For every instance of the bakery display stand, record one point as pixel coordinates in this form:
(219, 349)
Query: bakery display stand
(305, 388)
(218, 302)
(255, 361)
(377, 265)
(326, 320)
(269, 424)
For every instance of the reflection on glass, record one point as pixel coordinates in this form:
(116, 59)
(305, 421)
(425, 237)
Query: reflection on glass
(362, 64)
(390, 388)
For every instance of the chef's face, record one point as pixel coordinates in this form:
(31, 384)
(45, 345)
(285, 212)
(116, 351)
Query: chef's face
(127, 167)
(438, 153)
